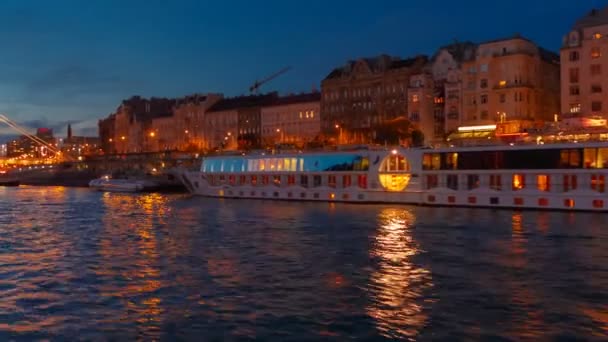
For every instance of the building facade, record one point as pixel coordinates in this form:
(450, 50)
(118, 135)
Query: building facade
(584, 66)
(188, 122)
(364, 95)
(128, 129)
(510, 80)
(293, 119)
(221, 125)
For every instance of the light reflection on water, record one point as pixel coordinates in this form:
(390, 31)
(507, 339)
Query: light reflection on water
(397, 286)
(78, 264)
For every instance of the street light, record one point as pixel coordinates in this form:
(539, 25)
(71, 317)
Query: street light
(281, 136)
(339, 134)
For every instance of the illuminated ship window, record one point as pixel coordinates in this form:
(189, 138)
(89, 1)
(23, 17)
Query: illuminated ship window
(543, 182)
(394, 162)
(518, 182)
(394, 182)
(394, 172)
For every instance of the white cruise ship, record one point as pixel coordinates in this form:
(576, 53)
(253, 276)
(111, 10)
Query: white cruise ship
(569, 176)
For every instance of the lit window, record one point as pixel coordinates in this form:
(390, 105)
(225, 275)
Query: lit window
(543, 182)
(575, 108)
(597, 35)
(502, 83)
(595, 52)
(518, 182)
(415, 98)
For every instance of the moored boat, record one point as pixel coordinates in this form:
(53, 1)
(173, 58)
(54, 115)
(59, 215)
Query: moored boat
(567, 176)
(107, 183)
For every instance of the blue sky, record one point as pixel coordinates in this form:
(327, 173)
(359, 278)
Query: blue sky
(74, 61)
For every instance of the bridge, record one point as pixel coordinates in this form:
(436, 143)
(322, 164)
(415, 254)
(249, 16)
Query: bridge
(50, 153)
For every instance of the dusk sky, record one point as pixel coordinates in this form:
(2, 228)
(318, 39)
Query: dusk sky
(76, 60)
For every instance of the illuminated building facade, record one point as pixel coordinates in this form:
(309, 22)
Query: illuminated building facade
(362, 95)
(584, 66)
(510, 79)
(293, 119)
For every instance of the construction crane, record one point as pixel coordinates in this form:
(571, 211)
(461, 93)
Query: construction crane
(254, 88)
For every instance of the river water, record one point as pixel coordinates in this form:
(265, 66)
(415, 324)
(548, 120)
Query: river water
(79, 264)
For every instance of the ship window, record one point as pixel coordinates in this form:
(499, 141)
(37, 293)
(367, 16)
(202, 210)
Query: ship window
(232, 179)
(331, 181)
(496, 182)
(304, 181)
(598, 203)
(570, 182)
(452, 182)
(598, 183)
(602, 158)
(243, 179)
(362, 181)
(394, 162)
(590, 158)
(265, 180)
(346, 181)
(431, 161)
(543, 182)
(570, 158)
(569, 203)
(277, 180)
(316, 181)
(472, 181)
(451, 161)
(432, 181)
(254, 180)
(394, 182)
(519, 181)
(287, 164)
(494, 200)
(279, 164)
(291, 180)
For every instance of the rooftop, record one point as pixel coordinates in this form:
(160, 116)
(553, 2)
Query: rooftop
(595, 17)
(460, 51)
(233, 103)
(377, 64)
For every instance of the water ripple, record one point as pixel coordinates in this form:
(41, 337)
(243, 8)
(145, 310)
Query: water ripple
(78, 264)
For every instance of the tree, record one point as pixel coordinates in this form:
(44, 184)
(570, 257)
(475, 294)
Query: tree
(417, 138)
(393, 131)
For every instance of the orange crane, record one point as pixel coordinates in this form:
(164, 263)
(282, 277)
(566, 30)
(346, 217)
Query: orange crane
(256, 85)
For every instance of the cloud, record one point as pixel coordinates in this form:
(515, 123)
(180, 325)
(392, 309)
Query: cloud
(71, 84)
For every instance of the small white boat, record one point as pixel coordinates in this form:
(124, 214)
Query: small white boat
(106, 183)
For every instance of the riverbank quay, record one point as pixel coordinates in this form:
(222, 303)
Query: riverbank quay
(160, 168)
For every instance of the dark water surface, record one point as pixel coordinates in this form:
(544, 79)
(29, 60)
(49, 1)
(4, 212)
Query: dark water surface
(78, 264)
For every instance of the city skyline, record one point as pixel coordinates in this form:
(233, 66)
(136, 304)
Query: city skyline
(74, 64)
